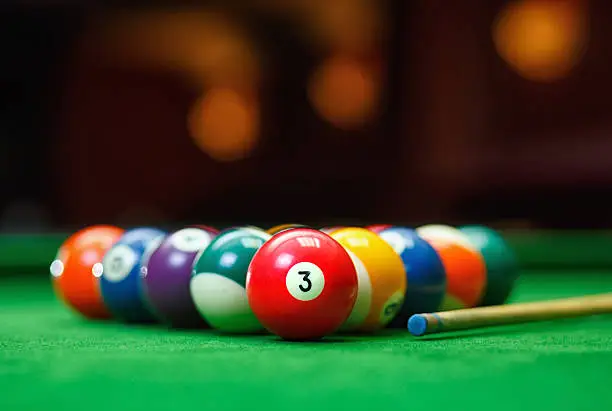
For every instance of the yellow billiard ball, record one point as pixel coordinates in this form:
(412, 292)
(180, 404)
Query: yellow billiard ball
(381, 279)
(282, 227)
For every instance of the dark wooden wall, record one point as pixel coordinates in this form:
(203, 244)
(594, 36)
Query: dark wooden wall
(461, 136)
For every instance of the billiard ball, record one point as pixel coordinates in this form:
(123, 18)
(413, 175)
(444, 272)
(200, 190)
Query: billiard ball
(301, 284)
(167, 274)
(377, 228)
(500, 262)
(254, 227)
(424, 273)
(282, 227)
(212, 230)
(463, 264)
(444, 232)
(382, 279)
(77, 268)
(329, 230)
(218, 283)
(121, 281)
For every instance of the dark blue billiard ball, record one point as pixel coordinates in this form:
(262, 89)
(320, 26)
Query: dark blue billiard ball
(121, 282)
(424, 273)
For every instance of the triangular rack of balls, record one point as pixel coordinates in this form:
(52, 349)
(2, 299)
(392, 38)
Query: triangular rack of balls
(294, 281)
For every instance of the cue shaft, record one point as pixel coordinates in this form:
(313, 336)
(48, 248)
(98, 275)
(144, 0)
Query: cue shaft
(422, 324)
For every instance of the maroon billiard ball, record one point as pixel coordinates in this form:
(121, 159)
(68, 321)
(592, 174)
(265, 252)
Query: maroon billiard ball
(211, 230)
(167, 273)
(301, 284)
(377, 228)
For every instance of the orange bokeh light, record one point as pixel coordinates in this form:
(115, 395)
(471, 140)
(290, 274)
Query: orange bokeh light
(344, 91)
(225, 124)
(352, 26)
(542, 40)
(208, 47)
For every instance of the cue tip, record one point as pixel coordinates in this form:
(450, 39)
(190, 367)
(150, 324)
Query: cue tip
(417, 325)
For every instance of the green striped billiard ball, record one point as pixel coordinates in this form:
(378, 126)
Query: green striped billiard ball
(219, 279)
(501, 264)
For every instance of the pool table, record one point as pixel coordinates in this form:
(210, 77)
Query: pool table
(52, 359)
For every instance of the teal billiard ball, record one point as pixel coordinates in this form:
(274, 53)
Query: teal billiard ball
(218, 283)
(500, 261)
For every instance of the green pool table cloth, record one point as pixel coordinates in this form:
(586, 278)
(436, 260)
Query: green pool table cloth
(52, 359)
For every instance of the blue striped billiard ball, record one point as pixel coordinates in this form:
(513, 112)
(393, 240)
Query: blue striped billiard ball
(424, 273)
(121, 282)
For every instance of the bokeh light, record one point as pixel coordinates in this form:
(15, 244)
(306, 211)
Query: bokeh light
(344, 91)
(225, 124)
(208, 47)
(352, 26)
(542, 40)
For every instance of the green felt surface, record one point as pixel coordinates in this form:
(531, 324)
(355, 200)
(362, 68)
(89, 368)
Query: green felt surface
(51, 359)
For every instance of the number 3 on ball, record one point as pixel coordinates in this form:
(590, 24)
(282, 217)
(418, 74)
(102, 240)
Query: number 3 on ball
(305, 281)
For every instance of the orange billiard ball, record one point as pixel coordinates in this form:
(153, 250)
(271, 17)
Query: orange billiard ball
(466, 275)
(77, 269)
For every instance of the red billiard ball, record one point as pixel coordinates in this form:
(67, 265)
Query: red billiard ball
(301, 284)
(331, 229)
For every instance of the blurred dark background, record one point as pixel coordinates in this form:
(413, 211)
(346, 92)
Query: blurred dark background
(306, 111)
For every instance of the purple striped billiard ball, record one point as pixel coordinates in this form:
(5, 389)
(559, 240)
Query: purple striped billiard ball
(167, 273)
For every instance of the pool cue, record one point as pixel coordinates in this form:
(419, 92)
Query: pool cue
(468, 318)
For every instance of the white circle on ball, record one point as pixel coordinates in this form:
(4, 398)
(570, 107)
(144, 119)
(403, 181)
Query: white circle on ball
(395, 240)
(118, 263)
(223, 303)
(190, 240)
(57, 268)
(97, 269)
(305, 281)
